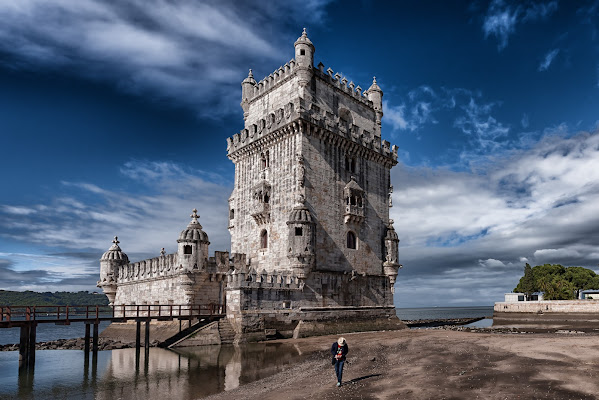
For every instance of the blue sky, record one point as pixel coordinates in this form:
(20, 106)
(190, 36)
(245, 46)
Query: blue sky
(113, 120)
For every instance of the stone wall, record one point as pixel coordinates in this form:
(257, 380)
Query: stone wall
(198, 288)
(549, 306)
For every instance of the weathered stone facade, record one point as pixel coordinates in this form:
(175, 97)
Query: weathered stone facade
(312, 244)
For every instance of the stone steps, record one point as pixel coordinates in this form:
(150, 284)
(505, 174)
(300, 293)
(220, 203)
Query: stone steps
(226, 331)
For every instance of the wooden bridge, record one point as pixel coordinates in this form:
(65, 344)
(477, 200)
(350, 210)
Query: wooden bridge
(28, 317)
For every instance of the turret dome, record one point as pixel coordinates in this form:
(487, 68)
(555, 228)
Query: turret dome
(304, 40)
(300, 213)
(374, 86)
(194, 231)
(115, 253)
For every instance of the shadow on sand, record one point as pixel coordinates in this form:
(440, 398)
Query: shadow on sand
(363, 377)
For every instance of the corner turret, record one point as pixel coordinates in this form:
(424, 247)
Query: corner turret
(301, 239)
(109, 264)
(193, 243)
(304, 57)
(247, 91)
(375, 94)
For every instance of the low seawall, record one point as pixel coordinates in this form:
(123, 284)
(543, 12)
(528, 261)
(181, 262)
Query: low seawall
(548, 315)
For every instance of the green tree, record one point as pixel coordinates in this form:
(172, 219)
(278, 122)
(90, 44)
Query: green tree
(527, 282)
(556, 281)
(581, 278)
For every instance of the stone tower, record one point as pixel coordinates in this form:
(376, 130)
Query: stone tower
(312, 194)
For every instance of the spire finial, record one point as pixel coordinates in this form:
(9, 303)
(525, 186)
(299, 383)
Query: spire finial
(304, 32)
(116, 240)
(194, 216)
(374, 79)
(250, 75)
(162, 252)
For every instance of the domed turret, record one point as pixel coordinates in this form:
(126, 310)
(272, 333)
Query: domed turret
(375, 94)
(115, 253)
(301, 239)
(193, 245)
(304, 57)
(247, 92)
(304, 50)
(109, 264)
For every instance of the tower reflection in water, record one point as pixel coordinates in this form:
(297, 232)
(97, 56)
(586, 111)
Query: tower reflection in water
(187, 373)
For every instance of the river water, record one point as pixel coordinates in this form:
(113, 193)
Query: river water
(187, 373)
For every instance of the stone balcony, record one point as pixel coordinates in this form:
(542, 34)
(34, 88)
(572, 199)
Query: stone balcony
(354, 213)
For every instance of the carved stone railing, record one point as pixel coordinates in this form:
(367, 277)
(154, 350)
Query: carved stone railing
(277, 280)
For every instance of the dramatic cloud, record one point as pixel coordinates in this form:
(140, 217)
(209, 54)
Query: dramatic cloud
(548, 60)
(84, 217)
(502, 17)
(467, 235)
(195, 53)
(465, 109)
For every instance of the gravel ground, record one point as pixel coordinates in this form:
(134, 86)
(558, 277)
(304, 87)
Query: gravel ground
(439, 364)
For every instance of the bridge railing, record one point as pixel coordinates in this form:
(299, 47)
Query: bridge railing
(96, 312)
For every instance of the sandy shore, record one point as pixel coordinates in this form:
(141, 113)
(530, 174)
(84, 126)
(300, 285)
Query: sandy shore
(439, 364)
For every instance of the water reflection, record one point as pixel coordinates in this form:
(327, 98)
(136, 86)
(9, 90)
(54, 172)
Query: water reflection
(187, 373)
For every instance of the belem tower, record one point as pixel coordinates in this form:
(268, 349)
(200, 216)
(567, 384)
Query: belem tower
(312, 247)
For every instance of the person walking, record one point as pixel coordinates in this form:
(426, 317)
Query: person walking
(339, 350)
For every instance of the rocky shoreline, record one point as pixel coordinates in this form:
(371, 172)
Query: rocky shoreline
(430, 323)
(76, 344)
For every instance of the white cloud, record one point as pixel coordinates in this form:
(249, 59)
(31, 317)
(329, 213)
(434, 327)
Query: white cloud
(544, 65)
(82, 226)
(156, 47)
(395, 116)
(480, 126)
(534, 205)
(502, 17)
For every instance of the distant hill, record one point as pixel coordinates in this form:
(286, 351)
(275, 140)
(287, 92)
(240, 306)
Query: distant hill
(28, 298)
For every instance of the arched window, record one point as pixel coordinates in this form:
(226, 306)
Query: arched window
(232, 213)
(350, 164)
(351, 240)
(187, 249)
(264, 239)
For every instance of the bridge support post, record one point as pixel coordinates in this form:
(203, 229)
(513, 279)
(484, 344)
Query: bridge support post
(95, 340)
(137, 344)
(147, 336)
(24, 347)
(32, 339)
(27, 339)
(86, 343)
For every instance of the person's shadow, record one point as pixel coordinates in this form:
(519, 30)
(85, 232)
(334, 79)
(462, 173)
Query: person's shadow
(363, 377)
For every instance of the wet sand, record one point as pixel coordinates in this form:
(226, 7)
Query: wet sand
(439, 364)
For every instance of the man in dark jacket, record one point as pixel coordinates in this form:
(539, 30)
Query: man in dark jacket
(339, 350)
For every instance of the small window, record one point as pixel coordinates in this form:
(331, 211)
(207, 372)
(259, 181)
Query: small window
(299, 231)
(264, 239)
(287, 304)
(187, 249)
(351, 240)
(232, 213)
(350, 164)
(302, 52)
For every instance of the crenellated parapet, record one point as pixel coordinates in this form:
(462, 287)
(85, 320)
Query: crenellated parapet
(282, 123)
(341, 84)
